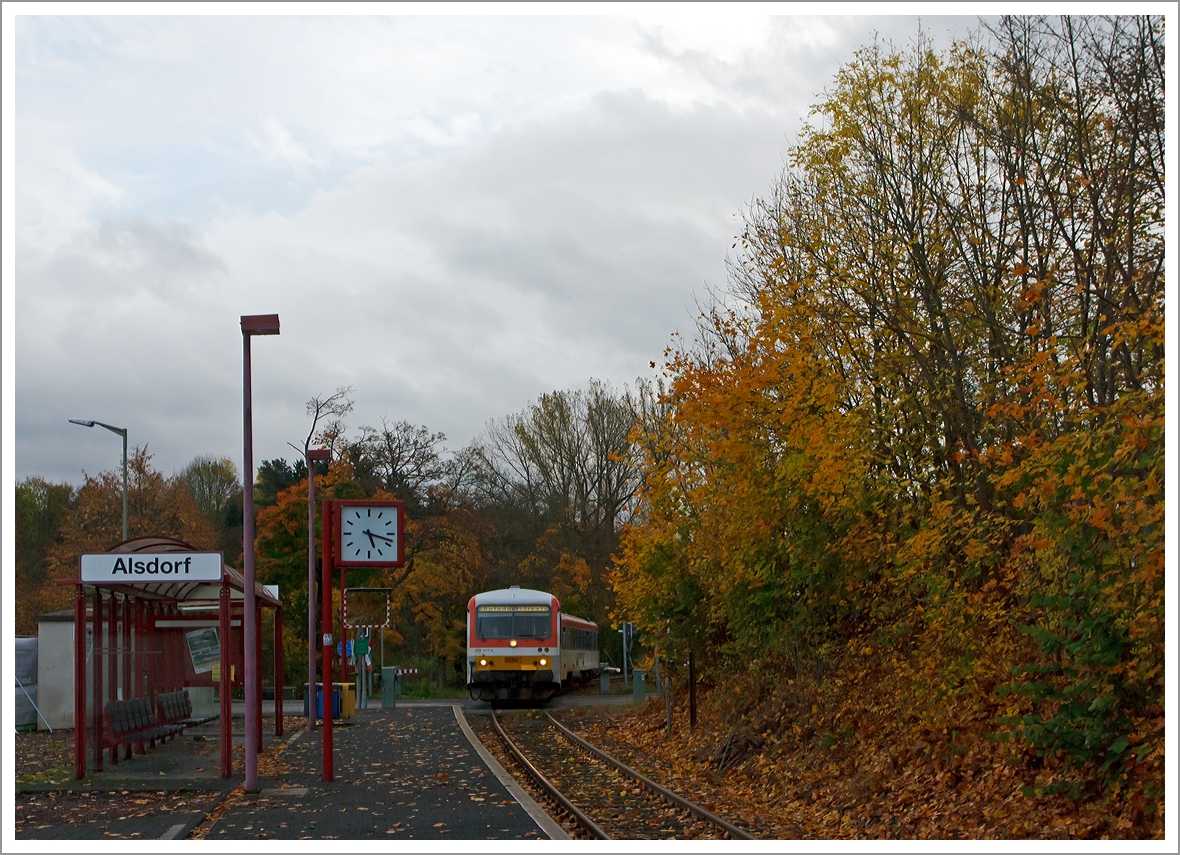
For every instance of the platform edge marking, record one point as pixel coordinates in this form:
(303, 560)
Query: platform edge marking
(546, 823)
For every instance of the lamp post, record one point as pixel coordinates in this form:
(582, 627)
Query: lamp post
(123, 433)
(313, 456)
(252, 325)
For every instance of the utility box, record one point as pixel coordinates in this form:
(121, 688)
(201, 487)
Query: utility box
(604, 682)
(638, 686)
(390, 687)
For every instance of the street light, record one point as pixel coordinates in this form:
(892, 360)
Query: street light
(252, 325)
(123, 433)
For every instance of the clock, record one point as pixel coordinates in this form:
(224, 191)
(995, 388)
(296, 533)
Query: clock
(369, 532)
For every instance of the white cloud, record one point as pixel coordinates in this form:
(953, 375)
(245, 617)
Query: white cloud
(278, 148)
(56, 194)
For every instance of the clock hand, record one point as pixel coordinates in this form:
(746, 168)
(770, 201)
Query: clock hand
(380, 536)
(370, 534)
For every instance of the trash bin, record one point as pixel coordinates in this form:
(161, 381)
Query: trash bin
(319, 701)
(389, 687)
(638, 686)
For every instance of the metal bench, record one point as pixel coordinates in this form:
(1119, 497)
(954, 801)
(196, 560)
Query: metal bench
(177, 708)
(131, 721)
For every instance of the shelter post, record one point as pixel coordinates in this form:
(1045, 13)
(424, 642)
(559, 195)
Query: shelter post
(79, 682)
(113, 663)
(223, 685)
(149, 675)
(96, 664)
(139, 673)
(125, 657)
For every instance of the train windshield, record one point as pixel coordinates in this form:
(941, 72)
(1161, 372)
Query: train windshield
(513, 622)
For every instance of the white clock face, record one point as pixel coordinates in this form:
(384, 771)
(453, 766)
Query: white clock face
(368, 534)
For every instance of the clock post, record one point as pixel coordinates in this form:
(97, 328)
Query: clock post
(356, 533)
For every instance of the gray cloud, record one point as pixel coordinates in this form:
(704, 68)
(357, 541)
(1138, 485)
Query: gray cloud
(451, 262)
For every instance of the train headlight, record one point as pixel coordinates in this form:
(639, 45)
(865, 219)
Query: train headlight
(544, 662)
(512, 643)
(483, 663)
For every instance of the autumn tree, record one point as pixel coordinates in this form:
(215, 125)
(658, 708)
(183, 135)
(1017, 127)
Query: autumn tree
(559, 477)
(40, 509)
(216, 487)
(156, 505)
(212, 482)
(925, 423)
(399, 458)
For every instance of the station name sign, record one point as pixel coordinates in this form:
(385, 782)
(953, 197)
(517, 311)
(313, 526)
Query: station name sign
(151, 567)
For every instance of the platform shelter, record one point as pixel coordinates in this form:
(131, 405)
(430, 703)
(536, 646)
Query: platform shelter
(155, 615)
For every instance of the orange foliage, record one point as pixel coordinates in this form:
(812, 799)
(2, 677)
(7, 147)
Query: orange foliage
(909, 468)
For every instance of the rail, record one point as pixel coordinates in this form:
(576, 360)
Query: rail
(545, 784)
(657, 791)
(661, 791)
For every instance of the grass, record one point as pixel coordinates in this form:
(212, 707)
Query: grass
(424, 690)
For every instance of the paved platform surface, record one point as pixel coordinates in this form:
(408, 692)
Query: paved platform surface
(407, 773)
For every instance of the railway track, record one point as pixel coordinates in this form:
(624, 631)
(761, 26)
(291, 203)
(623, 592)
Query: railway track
(607, 799)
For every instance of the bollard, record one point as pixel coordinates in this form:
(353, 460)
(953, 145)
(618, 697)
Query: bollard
(638, 686)
(604, 682)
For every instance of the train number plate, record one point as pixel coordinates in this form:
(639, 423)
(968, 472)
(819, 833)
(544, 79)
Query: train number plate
(513, 659)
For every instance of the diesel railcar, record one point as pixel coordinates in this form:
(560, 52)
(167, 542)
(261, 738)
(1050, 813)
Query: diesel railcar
(522, 647)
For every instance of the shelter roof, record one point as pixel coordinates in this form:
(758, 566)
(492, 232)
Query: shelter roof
(178, 590)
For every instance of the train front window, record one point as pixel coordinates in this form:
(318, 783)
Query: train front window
(512, 622)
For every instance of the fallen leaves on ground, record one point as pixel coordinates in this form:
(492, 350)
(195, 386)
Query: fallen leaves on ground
(878, 781)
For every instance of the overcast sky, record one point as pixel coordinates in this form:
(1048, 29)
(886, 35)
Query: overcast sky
(451, 214)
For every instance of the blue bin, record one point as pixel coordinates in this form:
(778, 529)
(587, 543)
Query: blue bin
(319, 701)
